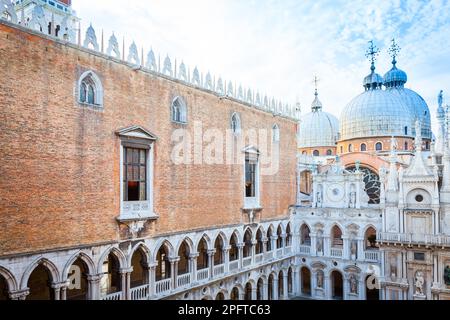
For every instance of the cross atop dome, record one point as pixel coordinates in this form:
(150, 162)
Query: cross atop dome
(316, 83)
(316, 105)
(372, 54)
(394, 50)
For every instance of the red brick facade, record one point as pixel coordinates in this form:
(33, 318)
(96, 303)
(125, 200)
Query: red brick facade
(59, 174)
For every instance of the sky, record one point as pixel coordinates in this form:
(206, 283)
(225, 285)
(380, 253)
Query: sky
(277, 46)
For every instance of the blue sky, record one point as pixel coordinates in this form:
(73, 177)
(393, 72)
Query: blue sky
(277, 47)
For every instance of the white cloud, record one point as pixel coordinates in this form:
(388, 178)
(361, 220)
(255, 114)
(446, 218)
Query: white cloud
(278, 46)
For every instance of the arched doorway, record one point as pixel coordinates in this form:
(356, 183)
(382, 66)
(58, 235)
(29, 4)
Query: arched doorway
(183, 254)
(336, 238)
(139, 276)
(269, 239)
(234, 294)
(290, 282)
(372, 292)
(305, 238)
(4, 291)
(248, 292)
(259, 242)
(78, 288)
(270, 288)
(337, 285)
(247, 250)
(163, 271)
(219, 258)
(39, 283)
(279, 237)
(220, 296)
(111, 279)
(281, 285)
(202, 260)
(234, 250)
(260, 290)
(371, 239)
(306, 281)
(288, 235)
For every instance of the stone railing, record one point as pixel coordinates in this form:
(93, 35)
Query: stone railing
(219, 270)
(234, 265)
(113, 296)
(163, 286)
(259, 258)
(304, 250)
(372, 256)
(414, 239)
(184, 280)
(246, 262)
(336, 253)
(203, 275)
(140, 293)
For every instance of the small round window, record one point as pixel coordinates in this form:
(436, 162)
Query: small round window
(419, 198)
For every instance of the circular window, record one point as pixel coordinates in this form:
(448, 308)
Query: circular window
(303, 260)
(419, 198)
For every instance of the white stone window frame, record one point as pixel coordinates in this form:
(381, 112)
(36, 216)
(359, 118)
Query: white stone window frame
(182, 110)
(238, 128)
(253, 202)
(137, 210)
(98, 89)
(276, 133)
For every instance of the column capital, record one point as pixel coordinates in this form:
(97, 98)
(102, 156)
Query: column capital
(19, 294)
(59, 285)
(194, 255)
(211, 252)
(94, 277)
(254, 242)
(126, 270)
(174, 259)
(241, 245)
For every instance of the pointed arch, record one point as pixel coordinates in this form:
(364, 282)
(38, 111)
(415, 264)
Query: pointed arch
(207, 239)
(50, 266)
(83, 257)
(118, 254)
(167, 245)
(90, 89)
(179, 110)
(9, 278)
(188, 241)
(144, 249)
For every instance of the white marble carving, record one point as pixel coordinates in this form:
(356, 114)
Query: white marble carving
(91, 39)
(133, 55)
(113, 47)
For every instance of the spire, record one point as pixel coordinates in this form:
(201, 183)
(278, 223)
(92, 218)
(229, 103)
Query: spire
(395, 78)
(316, 105)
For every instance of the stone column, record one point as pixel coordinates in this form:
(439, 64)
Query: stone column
(274, 243)
(264, 241)
(275, 288)
(314, 252)
(266, 291)
(226, 252)
(328, 287)
(361, 248)
(254, 293)
(94, 286)
(346, 286)
(152, 279)
(346, 252)
(211, 254)
(285, 286)
(193, 266)
(253, 254)
(125, 282)
(283, 240)
(19, 294)
(240, 253)
(297, 282)
(326, 246)
(174, 271)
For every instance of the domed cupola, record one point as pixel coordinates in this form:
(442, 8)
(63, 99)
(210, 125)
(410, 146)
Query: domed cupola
(395, 78)
(394, 82)
(373, 81)
(318, 128)
(375, 112)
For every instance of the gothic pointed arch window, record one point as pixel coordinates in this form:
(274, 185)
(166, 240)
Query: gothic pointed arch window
(275, 133)
(236, 124)
(90, 89)
(179, 110)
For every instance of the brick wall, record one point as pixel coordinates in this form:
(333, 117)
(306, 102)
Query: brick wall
(59, 173)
